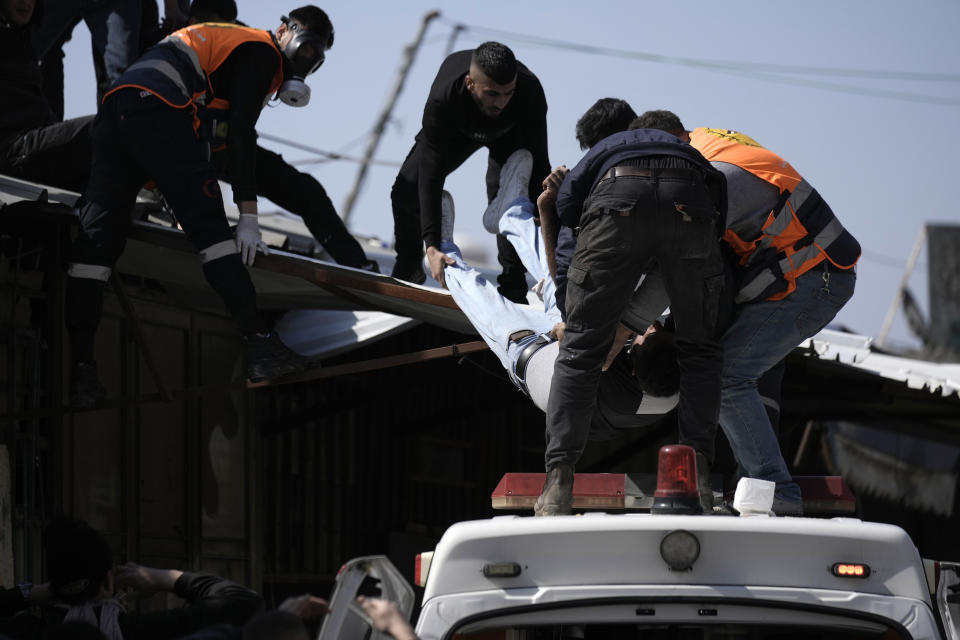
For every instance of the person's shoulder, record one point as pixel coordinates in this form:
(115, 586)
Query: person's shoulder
(458, 61)
(449, 81)
(527, 77)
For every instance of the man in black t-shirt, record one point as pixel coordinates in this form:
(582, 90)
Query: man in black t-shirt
(480, 98)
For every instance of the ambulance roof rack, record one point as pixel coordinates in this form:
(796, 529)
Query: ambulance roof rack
(823, 496)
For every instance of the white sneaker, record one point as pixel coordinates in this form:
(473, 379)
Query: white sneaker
(514, 183)
(446, 217)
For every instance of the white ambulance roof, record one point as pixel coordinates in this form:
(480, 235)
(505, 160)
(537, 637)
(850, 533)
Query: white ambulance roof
(604, 549)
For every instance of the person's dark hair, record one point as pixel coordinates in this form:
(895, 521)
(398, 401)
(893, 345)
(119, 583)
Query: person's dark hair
(213, 10)
(655, 364)
(275, 625)
(659, 119)
(315, 20)
(496, 61)
(78, 559)
(606, 117)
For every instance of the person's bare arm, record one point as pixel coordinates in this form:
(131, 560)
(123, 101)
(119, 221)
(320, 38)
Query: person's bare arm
(438, 261)
(141, 578)
(305, 606)
(385, 616)
(623, 335)
(549, 222)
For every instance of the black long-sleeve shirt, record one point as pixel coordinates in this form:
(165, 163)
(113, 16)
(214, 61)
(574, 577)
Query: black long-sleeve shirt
(452, 120)
(244, 80)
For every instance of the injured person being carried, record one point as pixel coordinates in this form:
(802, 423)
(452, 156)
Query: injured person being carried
(637, 387)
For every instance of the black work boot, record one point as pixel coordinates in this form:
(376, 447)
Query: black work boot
(371, 266)
(703, 483)
(556, 499)
(268, 357)
(409, 271)
(86, 390)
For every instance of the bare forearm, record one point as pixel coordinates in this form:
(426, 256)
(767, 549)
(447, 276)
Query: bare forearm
(549, 218)
(550, 228)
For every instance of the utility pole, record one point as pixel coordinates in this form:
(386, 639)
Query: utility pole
(410, 53)
(898, 297)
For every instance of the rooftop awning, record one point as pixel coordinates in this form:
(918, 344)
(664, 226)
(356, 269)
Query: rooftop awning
(846, 371)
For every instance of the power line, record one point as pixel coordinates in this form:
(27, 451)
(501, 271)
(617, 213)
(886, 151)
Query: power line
(759, 71)
(885, 260)
(833, 86)
(329, 155)
(709, 63)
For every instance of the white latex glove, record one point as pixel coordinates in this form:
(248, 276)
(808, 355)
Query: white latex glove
(249, 239)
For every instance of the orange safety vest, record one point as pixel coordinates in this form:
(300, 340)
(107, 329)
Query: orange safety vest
(798, 234)
(177, 69)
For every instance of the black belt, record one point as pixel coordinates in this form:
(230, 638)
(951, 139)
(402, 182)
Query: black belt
(520, 369)
(644, 172)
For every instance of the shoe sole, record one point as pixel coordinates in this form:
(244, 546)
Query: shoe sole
(551, 510)
(447, 217)
(508, 175)
(419, 278)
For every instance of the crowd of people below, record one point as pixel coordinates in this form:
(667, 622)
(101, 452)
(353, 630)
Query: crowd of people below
(86, 597)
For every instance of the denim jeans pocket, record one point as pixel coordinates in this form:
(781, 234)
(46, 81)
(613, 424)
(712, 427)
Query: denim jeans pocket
(825, 304)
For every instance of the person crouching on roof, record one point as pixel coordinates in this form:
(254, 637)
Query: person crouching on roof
(154, 124)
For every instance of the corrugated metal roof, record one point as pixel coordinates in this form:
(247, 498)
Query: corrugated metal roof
(342, 306)
(855, 351)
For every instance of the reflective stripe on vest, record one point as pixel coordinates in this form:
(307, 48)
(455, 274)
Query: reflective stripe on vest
(789, 268)
(177, 69)
(168, 71)
(797, 236)
(218, 250)
(89, 271)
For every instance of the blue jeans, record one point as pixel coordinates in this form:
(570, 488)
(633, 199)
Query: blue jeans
(114, 29)
(761, 335)
(493, 316)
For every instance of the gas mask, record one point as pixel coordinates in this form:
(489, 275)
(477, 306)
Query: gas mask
(303, 55)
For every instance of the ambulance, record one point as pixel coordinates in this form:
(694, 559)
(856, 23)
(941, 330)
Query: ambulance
(660, 574)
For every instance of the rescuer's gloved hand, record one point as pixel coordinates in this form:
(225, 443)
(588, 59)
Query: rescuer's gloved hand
(249, 239)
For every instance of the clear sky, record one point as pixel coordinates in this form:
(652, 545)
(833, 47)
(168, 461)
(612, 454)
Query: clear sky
(883, 163)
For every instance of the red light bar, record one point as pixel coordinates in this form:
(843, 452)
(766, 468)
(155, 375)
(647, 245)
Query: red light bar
(590, 491)
(822, 495)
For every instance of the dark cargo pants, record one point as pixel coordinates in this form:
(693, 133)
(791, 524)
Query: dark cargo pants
(137, 137)
(627, 222)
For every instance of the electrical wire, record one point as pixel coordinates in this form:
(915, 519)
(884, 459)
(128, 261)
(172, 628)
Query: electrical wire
(885, 260)
(329, 155)
(710, 64)
(760, 71)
